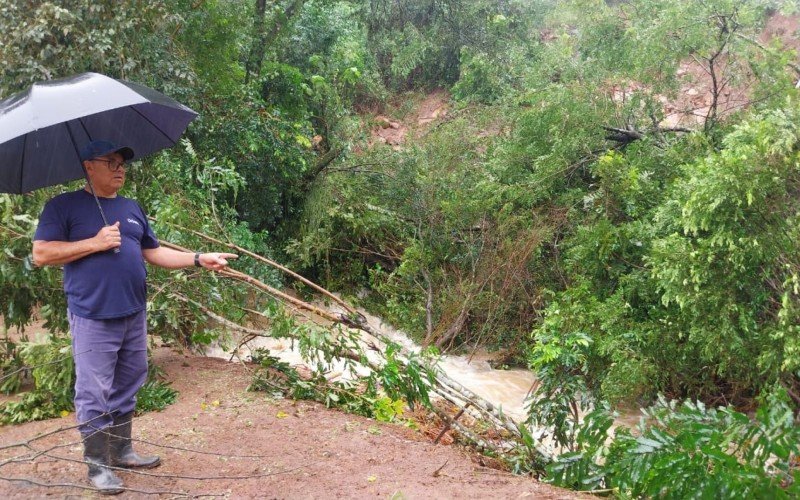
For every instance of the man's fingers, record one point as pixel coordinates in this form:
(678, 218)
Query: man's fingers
(217, 261)
(222, 258)
(109, 237)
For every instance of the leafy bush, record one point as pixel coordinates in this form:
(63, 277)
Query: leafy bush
(678, 277)
(481, 80)
(687, 450)
(418, 43)
(53, 371)
(156, 393)
(560, 394)
(54, 379)
(382, 392)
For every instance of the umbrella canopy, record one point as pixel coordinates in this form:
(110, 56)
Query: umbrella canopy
(43, 129)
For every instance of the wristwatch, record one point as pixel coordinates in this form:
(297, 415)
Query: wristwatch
(197, 259)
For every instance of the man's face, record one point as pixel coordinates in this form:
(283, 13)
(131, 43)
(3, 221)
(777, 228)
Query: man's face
(107, 173)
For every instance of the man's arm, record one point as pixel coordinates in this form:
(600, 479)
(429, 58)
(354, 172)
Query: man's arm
(56, 253)
(174, 259)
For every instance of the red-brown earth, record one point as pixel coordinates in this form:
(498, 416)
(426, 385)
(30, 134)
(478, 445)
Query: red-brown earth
(220, 439)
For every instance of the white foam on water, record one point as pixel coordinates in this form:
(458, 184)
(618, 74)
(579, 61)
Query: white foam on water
(506, 389)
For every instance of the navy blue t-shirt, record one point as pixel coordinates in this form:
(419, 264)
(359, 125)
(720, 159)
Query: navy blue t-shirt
(102, 285)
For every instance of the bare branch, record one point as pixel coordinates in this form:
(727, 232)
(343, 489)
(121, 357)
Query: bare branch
(216, 317)
(54, 362)
(625, 136)
(50, 433)
(140, 472)
(265, 260)
(178, 494)
(756, 43)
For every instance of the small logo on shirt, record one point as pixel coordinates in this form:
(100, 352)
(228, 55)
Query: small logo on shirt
(134, 222)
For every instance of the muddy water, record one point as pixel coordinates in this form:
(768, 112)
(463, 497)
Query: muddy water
(506, 389)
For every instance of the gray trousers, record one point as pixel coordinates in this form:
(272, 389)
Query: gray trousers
(110, 367)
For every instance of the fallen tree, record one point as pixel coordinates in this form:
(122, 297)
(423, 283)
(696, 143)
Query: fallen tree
(349, 344)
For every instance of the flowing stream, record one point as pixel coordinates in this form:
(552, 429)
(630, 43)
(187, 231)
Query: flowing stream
(506, 389)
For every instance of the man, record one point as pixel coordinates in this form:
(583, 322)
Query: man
(104, 280)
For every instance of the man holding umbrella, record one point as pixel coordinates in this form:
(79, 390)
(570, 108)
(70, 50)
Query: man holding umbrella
(62, 130)
(104, 280)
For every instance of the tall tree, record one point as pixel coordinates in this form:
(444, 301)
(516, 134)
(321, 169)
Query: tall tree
(262, 39)
(256, 57)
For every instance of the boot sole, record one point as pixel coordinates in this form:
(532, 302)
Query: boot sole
(131, 466)
(109, 492)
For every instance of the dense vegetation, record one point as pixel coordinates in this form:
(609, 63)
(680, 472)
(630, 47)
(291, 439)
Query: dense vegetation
(611, 199)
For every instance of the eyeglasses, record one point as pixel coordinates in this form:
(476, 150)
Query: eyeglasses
(113, 165)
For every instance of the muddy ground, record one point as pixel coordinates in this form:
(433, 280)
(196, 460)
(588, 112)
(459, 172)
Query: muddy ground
(219, 439)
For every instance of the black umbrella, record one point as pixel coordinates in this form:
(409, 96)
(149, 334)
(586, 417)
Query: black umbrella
(43, 129)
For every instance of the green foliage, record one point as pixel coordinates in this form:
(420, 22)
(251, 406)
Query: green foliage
(678, 302)
(53, 370)
(156, 394)
(420, 42)
(436, 230)
(352, 396)
(408, 378)
(388, 410)
(54, 378)
(45, 40)
(187, 192)
(525, 457)
(481, 79)
(581, 468)
(21, 286)
(687, 451)
(284, 87)
(381, 393)
(729, 265)
(330, 41)
(11, 369)
(561, 393)
(427, 221)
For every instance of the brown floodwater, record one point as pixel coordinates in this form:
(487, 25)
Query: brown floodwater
(507, 389)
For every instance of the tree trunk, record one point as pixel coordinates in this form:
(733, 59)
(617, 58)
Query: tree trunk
(283, 20)
(262, 39)
(256, 57)
(428, 306)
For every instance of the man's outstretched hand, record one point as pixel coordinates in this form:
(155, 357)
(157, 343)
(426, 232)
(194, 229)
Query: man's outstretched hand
(216, 261)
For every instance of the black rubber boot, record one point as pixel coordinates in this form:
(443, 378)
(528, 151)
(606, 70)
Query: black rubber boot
(95, 452)
(122, 454)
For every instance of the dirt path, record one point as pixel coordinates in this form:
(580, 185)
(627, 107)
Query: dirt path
(303, 449)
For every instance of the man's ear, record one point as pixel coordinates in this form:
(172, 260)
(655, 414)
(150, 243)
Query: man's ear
(88, 166)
